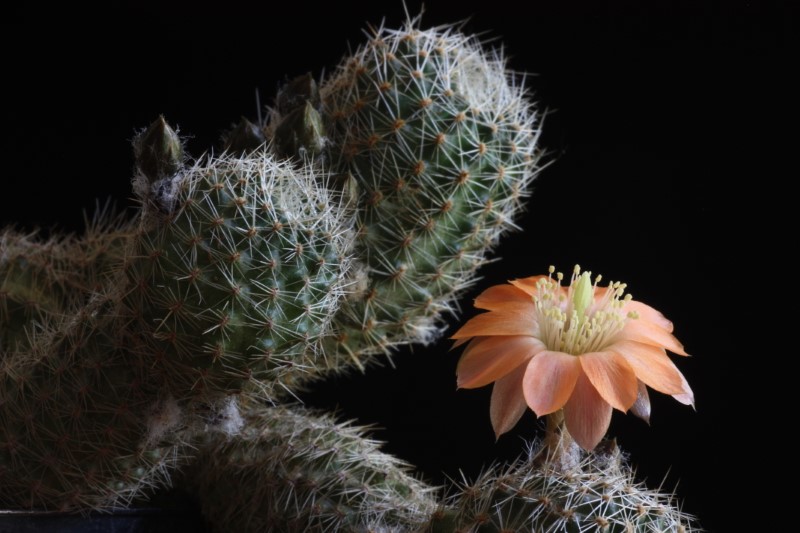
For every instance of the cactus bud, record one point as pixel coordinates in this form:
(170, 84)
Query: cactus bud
(158, 151)
(301, 132)
(296, 93)
(244, 137)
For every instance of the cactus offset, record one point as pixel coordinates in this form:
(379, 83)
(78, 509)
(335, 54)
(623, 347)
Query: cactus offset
(240, 279)
(442, 145)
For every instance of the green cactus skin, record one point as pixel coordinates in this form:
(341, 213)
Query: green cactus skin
(442, 146)
(293, 471)
(80, 424)
(239, 281)
(541, 494)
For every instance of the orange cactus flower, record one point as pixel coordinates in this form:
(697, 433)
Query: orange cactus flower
(583, 348)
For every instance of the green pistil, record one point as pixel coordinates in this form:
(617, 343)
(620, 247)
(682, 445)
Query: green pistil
(582, 294)
(575, 328)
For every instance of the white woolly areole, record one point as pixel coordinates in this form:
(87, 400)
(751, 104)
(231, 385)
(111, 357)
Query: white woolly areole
(165, 417)
(227, 418)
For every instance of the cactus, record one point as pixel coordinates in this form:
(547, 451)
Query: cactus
(27, 269)
(150, 351)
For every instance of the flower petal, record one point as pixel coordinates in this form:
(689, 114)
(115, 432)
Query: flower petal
(648, 313)
(685, 399)
(687, 396)
(549, 380)
(499, 297)
(459, 342)
(508, 403)
(528, 284)
(587, 415)
(612, 376)
(497, 323)
(653, 366)
(641, 407)
(649, 333)
(488, 359)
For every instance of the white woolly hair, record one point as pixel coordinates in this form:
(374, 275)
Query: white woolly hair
(477, 73)
(228, 419)
(165, 417)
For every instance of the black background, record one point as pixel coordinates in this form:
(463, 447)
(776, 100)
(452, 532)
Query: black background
(657, 111)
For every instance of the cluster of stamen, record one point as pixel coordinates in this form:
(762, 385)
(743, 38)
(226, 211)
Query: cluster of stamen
(580, 318)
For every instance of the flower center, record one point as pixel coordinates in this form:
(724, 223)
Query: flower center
(582, 317)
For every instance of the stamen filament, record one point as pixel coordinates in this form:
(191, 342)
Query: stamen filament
(580, 318)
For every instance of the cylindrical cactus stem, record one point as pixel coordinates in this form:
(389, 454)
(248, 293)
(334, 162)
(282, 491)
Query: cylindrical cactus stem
(539, 493)
(292, 471)
(235, 285)
(82, 425)
(34, 283)
(40, 279)
(442, 144)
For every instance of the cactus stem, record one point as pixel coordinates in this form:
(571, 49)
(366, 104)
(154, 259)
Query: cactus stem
(559, 448)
